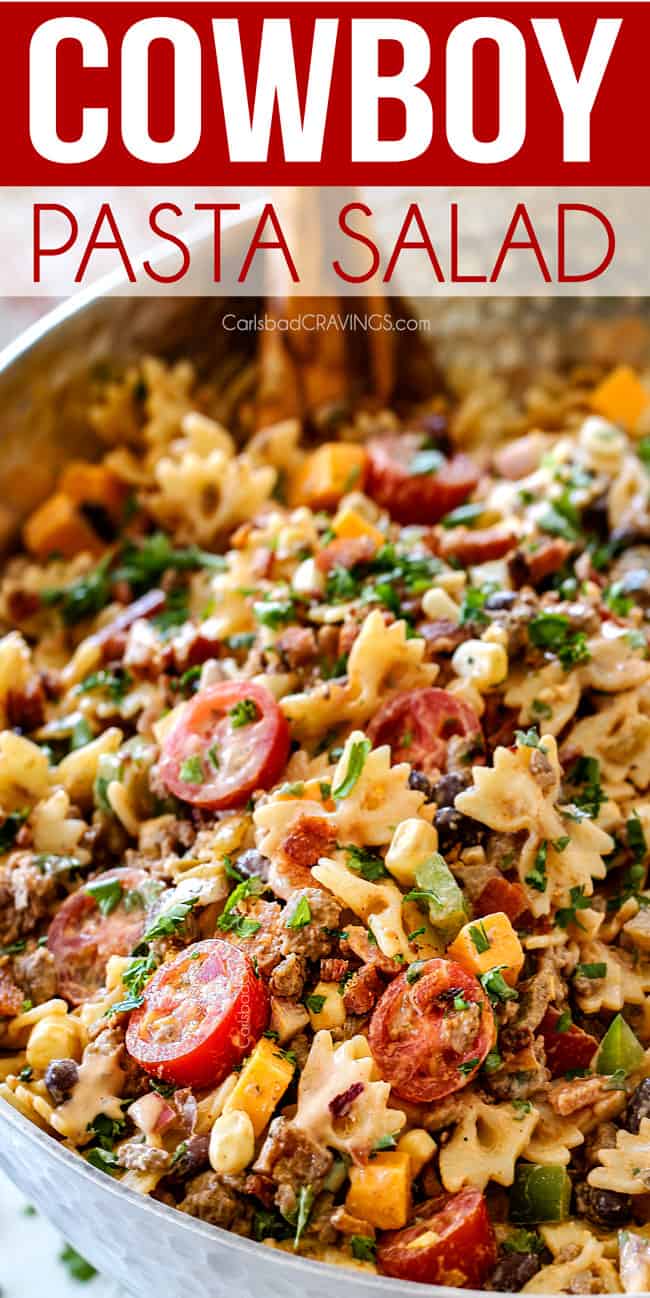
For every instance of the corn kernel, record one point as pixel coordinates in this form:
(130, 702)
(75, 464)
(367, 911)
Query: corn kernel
(349, 524)
(621, 397)
(55, 1037)
(480, 662)
(413, 841)
(232, 1143)
(436, 603)
(419, 1146)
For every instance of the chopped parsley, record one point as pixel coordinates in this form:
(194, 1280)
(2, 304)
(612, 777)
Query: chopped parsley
(523, 1241)
(105, 1131)
(552, 632)
(356, 761)
(615, 598)
(468, 1067)
(415, 971)
(471, 608)
(143, 564)
(103, 1159)
(243, 713)
(275, 613)
(231, 921)
(528, 739)
(636, 838)
(587, 792)
(521, 1108)
(14, 948)
(564, 1022)
(306, 1196)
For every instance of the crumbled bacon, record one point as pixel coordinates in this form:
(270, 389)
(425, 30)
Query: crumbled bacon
(363, 990)
(346, 552)
(529, 568)
(298, 646)
(26, 706)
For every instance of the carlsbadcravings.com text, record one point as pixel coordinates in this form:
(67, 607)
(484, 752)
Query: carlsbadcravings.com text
(324, 322)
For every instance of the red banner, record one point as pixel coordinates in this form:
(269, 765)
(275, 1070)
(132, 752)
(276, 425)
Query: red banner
(323, 94)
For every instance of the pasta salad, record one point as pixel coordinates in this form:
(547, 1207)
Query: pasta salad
(325, 824)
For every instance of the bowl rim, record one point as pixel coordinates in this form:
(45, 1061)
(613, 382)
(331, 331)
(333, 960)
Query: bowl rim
(104, 288)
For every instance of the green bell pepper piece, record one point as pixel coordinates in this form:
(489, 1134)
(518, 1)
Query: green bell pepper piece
(540, 1193)
(619, 1049)
(437, 887)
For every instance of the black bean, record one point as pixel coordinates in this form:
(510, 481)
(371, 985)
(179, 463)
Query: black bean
(500, 599)
(192, 1160)
(513, 1271)
(638, 1106)
(449, 786)
(595, 516)
(602, 1207)
(252, 862)
(455, 829)
(61, 1076)
(419, 782)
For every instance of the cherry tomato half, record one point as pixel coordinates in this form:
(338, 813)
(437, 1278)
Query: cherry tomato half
(430, 1036)
(451, 1243)
(566, 1047)
(202, 1012)
(418, 725)
(81, 937)
(230, 740)
(400, 480)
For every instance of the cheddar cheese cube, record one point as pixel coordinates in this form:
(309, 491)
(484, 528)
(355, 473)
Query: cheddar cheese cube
(93, 484)
(489, 943)
(261, 1084)
(349, 524)
(621, 397)
(380, 1192)
(328, 473)
(58, 527)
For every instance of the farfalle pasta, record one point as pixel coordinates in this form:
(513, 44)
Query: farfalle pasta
(325, 822)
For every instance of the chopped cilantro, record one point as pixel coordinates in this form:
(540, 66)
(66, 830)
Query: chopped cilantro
(616, 599)
(14, 948)
(415, 971)
(368, 864)
(170, 921)
(231, 921)
(191, 770)
(76, 1265)
(114, 683)
(363, 1248)
(567, 914)
(143, 564)
(493, 1061)
(521, 1107)
(636, 838)
(537, 876)
(527, 739)
(107, 894)
(468, 1067)
(584, 779)
(306, 1197)
(275, 613)
(479, 938)
(356, 761)
(523, 1241)
(552, 632)
(494, 983)
(564, 1022)
(300, 916)
(103, 1159)
(315, 1003)
(82, 598)
(598, 969)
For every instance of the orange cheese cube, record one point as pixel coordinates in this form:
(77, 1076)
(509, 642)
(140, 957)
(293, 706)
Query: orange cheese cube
(380, 1192)
(328, 473)
(621, 397)
(93, 484)
(486, 944)
(57, 527)
(349, 524)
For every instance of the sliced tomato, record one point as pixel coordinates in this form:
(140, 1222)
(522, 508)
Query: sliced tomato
(450, 1243)
(429, 1036)
(398, 479)
(565, 1050)
(419, 724)
(81, 937)
(501, 895)
(480, 546)
(202, 1012)
(230, 740)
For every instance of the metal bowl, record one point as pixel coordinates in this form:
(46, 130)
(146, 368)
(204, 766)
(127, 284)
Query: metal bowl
(46, 379)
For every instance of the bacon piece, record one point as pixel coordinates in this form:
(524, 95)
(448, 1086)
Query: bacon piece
(572, 1048)
(363, 990)
(346, 552)
(333, 969)
(297, 645)
(529, 568)
(26, 706)
(500, 894)
(112, 637)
